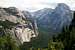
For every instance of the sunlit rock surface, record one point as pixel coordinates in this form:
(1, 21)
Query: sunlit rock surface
(24, 33)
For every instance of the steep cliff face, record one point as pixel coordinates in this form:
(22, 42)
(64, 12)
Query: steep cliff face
(31, 18)
(23, 29)
(24, 33)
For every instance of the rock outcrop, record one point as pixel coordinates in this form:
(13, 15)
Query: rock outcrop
(23, 30)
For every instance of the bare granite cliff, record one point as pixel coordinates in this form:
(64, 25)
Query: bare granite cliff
(23, 30)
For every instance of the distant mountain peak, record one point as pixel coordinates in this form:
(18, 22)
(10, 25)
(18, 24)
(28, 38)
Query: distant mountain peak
(54, 19)
(62, 6)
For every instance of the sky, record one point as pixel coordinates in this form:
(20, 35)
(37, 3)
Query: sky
(33, 5)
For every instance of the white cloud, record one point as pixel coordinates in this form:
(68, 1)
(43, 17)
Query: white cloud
(35, 4)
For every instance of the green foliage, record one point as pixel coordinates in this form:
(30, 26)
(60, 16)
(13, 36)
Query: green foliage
(67, 37)
(57, 45)
(7, 43)
(64, 40)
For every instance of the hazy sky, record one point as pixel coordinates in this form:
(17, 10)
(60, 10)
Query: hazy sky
(33, 5)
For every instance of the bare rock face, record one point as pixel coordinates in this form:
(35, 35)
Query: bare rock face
(24, 34)
(23, 30)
